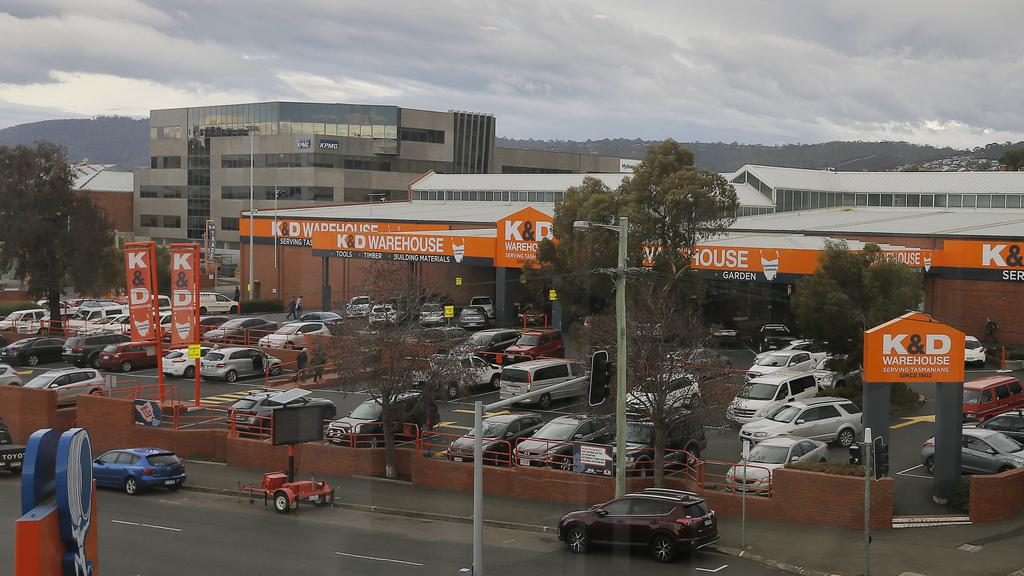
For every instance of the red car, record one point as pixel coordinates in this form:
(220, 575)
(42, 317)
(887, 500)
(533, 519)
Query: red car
(665, 521)
(537, 343)
(127, 356)
(988, 397)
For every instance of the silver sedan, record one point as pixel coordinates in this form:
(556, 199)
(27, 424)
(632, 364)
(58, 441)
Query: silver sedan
(982, 452)
(755, 476)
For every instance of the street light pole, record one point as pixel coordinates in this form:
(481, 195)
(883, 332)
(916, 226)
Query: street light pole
(252, 168)
(620, 364)
(277, 193)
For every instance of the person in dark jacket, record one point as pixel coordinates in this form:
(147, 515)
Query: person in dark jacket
(291, 310)
(990, 330)
(300, 364)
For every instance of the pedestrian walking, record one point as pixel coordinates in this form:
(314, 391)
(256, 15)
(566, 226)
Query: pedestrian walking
(291, 309)
(300, 364)
(318, 365)
(990, 330)
(298, 307)
(238, 294)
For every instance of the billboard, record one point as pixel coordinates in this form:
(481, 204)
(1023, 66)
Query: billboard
(981, 260)
(594, 459)
(518, 236)
(297, 425)
(299, 232)
(184, 293)
(140, 275)
(914, 348)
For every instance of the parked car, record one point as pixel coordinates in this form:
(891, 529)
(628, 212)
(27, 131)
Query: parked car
(552, 445)
(484, 302)
(489, 342)
(32, 351)
(527, 315)
(431, 314)
(128, 356)
(724, 336)
(781, 360)
(230, 364)
(501, 435)
(69, 383)
(974, 352)
(457, 374)
(829, 378)
(9, 376)
(982, 452)
(986, 397)
(814, 348)
(253, 412)
(665, 521)
(85, 350)
(237, 330)
(445, 338)
(358, 307)
(20, 318)
(216, 302)
(330, 319)
(364, 426)
(177, 364)
(135, 469)
(293, 335)
(472, 317)
(537, 343)
(772, 337)
(88, 316)
(762, 394)
(12, 455)
(518, 379)
(120, 324)
(383, 315)
(768, 456)
(1010, 423)
(826, 418)
(685, 441)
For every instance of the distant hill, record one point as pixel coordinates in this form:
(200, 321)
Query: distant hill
(104, 140)
(125, 141)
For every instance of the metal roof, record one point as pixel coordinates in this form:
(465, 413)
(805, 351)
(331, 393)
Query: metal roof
(418, 211)
(523, 182)
(890, 182)
(103, 178)
(748, 196)
(787, 241)
(890, 221)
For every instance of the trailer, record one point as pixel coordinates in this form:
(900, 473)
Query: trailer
(286, 495)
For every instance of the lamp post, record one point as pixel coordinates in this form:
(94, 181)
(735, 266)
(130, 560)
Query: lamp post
(252, 209)
(277, 194)
(620, 346)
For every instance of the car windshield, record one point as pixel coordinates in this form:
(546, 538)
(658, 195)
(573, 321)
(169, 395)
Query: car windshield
(479, 339)
(244, 404)
(22, 343)
(471, 312)
(1004, 444)
(492, 430)
(41, 381)
(367, 411)
(556, 431)
(528, 340)
(110, 348)
(289, 329)
(971, 396)
(768, 454)
(214, 356)
(776, 331)
(174, 354)
(428, 308)
(73, 342)
(773, 360)
(972, 344)
(509, 375)
(166, 459)
(758, 391)
(785, 414)
(81, 314)
(234, 323)
(637, 433)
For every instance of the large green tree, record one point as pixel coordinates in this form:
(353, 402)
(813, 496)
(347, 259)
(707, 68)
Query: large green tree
(851, 292)
(1013, 158)
(51, 237)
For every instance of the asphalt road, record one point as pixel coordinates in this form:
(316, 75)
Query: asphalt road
(161, 533)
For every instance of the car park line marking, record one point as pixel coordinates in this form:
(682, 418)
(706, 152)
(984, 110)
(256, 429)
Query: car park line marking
(229, 397)
(404, 562)
(454, 426)
(168, 528)
(722, 567)
(486, 414)
(200, 423)
(911, 420)
(909, 469)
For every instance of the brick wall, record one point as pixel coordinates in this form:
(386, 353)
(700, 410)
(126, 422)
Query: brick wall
(26, 410)
(997, 497)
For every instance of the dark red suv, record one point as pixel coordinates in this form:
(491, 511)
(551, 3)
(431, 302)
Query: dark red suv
(666, 521)
(537, 343)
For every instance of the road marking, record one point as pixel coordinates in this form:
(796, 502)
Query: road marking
(379, 559)
(911, 420)
(228, 398)
(23, 372)
(169, 529)
(722, 567)
(911, 468)
(454, 426)
(486, 414)
(200, 423)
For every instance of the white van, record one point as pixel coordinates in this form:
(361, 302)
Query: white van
(20, 318)
(484, 302)
(86, 318)
(524, 377)
(216, 303)
(760, 395)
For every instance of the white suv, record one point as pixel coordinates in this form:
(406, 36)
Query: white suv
(781, 360)
(827, 419)
(484, 302)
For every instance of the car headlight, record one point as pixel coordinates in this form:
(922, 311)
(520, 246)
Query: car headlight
(630, 458)
(760, 434)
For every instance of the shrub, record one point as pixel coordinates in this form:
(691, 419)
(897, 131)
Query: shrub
(256, 306)
(834, 468)
(901, 395)
(8, 307)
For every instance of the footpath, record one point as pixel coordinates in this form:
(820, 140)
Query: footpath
(978, 550)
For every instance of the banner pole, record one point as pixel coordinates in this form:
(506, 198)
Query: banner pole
(155, 314)
(197, 332)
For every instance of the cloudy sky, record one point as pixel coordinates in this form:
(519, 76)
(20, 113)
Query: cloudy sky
(755, 71)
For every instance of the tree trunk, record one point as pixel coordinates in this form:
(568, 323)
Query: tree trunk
(53, 303)
(659, 452)
(389, 447)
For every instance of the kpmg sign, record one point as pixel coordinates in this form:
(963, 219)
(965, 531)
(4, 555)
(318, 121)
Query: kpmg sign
(303, 143)
(57, 469)
(329, 145)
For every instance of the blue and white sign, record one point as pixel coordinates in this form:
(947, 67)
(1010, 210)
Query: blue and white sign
(594, 459)
(329, 145)
(303, 143)
(148, 413)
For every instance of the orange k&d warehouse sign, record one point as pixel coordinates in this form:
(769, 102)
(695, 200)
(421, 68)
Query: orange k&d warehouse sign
(406, 247)
(294, 232)
(914, 348)
(981, 260)
(518, 236)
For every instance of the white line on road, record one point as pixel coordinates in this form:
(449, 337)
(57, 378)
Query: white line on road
(911, 468)
(379, 559)
(198, 423)
(147, 525)
(722, 567)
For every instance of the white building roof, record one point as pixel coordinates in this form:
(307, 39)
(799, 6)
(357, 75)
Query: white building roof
(890, 221)
(522, 182)
(748, 196)
(890, 182)
(103, 178)
(460, 212)
(787, 241)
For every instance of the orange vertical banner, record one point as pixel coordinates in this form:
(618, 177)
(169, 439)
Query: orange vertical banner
(140, 275)
(184, 298)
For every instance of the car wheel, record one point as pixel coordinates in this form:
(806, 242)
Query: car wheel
(126, 366)
(94, 360)
(33, 360)
(231, 376)
(496, 382)
(576, 539)
(545, 401)
(929, 464)
(845, 438)
(95, 392)
(452, 391)
(190, 372)
(202, 309)
(233, 310)
(281, 502)
(644, 468)
(663, 548)
(131, 487)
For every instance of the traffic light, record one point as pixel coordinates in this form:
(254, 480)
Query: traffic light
(880, 457)
(600, 376)
(856, 458)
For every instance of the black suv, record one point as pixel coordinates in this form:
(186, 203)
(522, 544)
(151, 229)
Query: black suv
(685, 437)
(1009, 423)
(236, 330)
(85, 350)
(552, 445)
(33, 351)
(253, 413)
(772, 337)
(364, 427)
(489, 341)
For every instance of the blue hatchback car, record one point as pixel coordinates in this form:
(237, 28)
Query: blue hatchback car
(134, 469)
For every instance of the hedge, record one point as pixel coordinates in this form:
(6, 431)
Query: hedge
(8, 307)
(256, 306)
